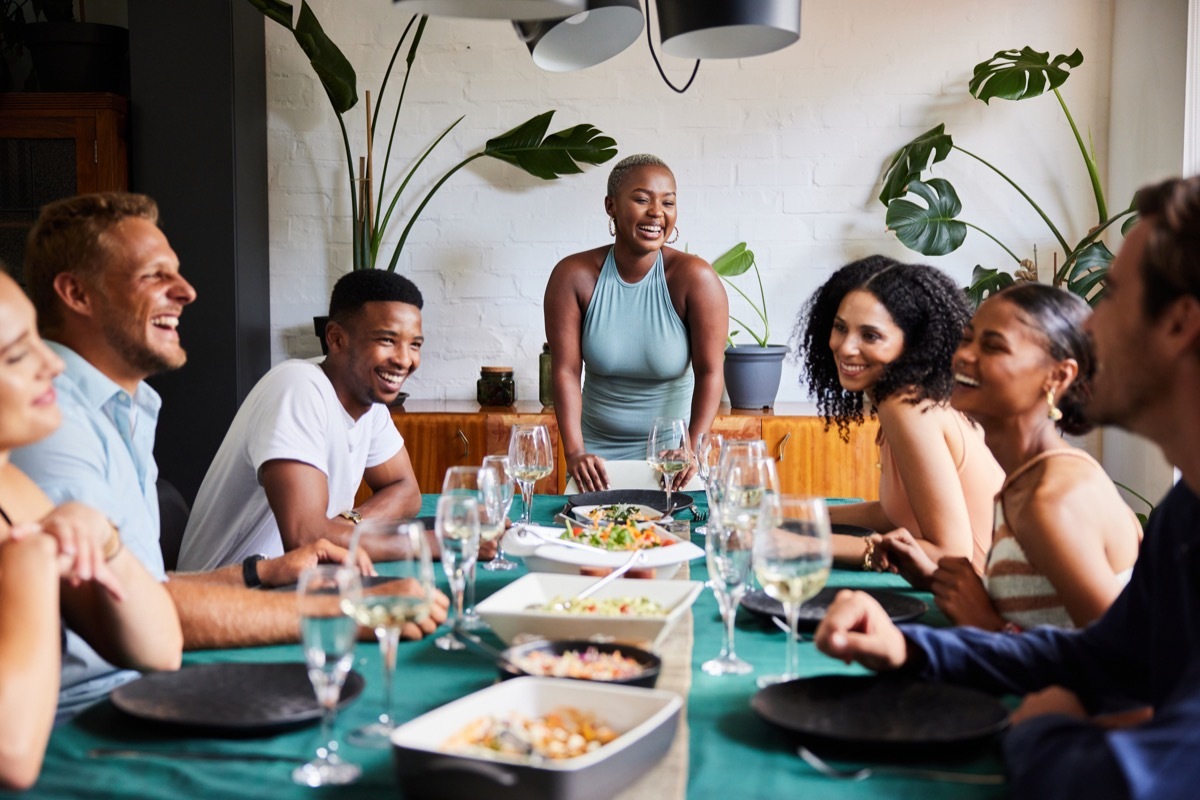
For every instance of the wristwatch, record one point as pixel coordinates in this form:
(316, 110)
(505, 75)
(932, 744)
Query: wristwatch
(250, 570)
(351, 515)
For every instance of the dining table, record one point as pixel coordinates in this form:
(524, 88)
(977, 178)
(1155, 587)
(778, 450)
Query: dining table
(723, 748)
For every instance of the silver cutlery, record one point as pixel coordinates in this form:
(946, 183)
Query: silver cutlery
(861, 774)
(591, 589)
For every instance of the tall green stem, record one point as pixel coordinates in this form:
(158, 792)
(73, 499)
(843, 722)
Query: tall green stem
(994, 239)
(1054, 230)
(417, 214)
(357, 258)
(1093, 173)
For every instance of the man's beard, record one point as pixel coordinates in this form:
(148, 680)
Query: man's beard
(137, 354)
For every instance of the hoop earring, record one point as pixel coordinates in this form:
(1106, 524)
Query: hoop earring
(1055, 414)
(612, 227)
(675, 238)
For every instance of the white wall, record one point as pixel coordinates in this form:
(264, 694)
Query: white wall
(783, 151)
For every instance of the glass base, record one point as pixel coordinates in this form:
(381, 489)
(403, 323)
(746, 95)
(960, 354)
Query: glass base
(472, 622)
(447, 642)
(376, 735)
(499, 564)
(771, 680)
(326, 772)
(727, 665)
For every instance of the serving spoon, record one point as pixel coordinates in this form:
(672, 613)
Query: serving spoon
(480, 647)
(591, 589)
(830, 771)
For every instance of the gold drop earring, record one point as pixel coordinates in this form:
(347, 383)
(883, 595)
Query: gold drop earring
(1054, 413)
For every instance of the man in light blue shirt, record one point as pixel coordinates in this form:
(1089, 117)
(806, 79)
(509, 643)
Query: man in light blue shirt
(109, 296)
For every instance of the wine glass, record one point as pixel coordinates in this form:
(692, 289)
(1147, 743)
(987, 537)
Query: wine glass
(792, 557)
(708, 452)
(668, 452)
(531, 458)
(499, 563)
(743, 485)
(327, 635)
(728, 549)
(458, 536)
(387, 610)
(483, 484)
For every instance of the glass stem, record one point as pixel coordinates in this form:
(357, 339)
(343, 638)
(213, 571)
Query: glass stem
(389, 641)
(470, 601)
(527, 501)
(792, 659)
(729, 616)
(459, 590)
(328, 750)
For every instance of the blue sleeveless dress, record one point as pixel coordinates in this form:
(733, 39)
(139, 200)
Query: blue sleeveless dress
(637, 362)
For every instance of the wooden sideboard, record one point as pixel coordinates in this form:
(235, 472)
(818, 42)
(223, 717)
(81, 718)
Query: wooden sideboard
(811, 460)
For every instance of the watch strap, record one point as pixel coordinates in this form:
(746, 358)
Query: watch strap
(250, 570)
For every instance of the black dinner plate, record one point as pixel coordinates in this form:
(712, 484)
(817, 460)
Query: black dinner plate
(850, 530)
(900, 607)
(642, 497)
(230, 699)
(879, 710)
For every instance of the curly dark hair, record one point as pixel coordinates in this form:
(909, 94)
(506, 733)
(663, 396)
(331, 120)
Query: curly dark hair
(1060, 316)
(922, 301)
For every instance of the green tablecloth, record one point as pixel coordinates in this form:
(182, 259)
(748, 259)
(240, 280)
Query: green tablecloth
(733, 754)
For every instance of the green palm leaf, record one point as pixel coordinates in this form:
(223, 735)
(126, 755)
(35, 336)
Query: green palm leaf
(931, 229)
(548, 157)
(1021, 74)
(1087, 270)
(986, 282)
(736, 261)
(332, 67)
(911, 160)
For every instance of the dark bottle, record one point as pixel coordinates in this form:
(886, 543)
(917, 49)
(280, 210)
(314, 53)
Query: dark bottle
(496, 387)
(545, 380)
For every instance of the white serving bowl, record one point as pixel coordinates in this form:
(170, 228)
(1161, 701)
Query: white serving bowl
(646, 719)
(544, 556)
(507, 611)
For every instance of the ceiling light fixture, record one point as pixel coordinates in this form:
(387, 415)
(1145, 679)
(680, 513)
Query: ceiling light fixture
(727, 29)
(584, 40)
(494, 9)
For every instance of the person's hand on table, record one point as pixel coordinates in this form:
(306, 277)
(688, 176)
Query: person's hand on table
(1052, 700)
(898, 551)
(856, 628)
(960, 594)
(682, 478)
(414, 631)
(85, 540)
(588, 471)
(285, 569)
(487, 550)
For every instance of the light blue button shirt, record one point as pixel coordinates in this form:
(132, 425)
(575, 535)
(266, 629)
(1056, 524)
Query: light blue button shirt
(102, 455)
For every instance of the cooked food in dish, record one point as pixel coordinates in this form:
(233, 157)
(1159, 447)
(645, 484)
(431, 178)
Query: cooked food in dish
(562, 733)
(590, 665)
(622, 513)
(616, 536)
(605, 607)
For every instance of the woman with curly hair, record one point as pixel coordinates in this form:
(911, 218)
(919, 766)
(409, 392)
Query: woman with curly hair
(877, 338)
(1064, 542)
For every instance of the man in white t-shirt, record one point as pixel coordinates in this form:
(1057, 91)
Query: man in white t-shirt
(308, 434)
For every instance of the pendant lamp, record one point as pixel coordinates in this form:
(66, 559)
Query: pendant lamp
(584, 40)
(727, 28)
(494, 9)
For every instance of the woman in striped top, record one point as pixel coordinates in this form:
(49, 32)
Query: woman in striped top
(1063, 542)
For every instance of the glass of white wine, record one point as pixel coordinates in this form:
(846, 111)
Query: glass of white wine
(327, 636)
(483, 484)
(792, 558)
(458, 537)
(531, 458)
(494, 527)
(387, 608)
(668, 451)
(708, 453)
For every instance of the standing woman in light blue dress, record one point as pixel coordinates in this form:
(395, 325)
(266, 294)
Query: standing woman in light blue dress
(647, 320)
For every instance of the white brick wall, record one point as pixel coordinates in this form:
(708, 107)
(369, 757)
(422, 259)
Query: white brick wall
(783, 151)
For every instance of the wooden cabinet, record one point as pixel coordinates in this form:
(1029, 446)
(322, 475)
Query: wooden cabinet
(811, 460)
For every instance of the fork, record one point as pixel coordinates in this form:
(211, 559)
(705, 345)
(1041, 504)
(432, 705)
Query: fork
(861, 774)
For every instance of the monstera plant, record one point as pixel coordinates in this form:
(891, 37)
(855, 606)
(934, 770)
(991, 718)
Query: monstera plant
(526, 146)
(924, 213)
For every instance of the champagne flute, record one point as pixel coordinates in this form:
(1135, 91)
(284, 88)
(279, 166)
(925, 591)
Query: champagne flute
(394, 604)
(458, 536)
(327, 635)
(708, 453)
(531, 458)
(483, 484)
(668, 451)
(728, 550)
(500, 464)
(792, 557)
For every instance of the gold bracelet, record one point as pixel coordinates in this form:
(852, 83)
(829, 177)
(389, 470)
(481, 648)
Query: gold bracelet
(867, 565)
(112, 547)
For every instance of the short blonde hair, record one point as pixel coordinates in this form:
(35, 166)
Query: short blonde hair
(70, 235)
(630, 163)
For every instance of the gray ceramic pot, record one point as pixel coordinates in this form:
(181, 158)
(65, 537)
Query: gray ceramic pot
(752, 374)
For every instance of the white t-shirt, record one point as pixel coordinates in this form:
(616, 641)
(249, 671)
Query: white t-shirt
(294, 414)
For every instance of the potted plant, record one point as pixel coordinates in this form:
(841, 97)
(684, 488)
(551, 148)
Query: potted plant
(932, 227)
(752, 371)
(69, 54)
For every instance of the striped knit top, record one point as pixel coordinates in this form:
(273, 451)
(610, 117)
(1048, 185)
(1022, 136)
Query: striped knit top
(1021, 594)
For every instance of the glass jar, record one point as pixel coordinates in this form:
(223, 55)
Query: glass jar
(496, 387)
(545, 379)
